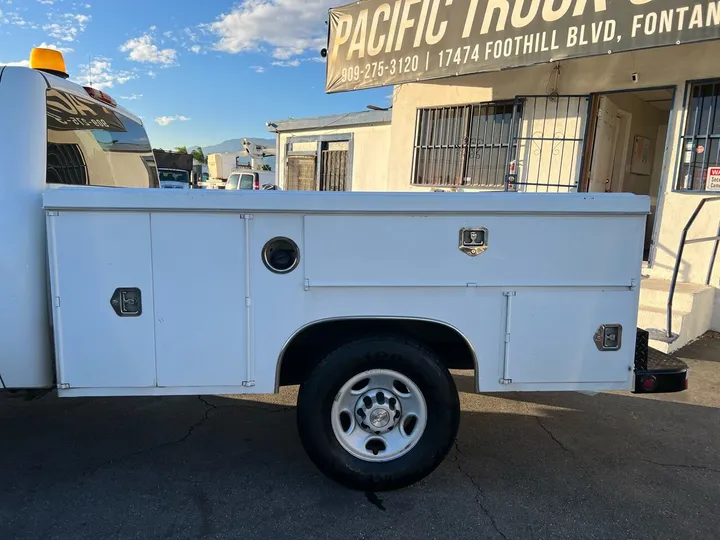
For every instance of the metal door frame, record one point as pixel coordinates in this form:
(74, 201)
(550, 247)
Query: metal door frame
(319, 139)
(679, 103)
(511, 183)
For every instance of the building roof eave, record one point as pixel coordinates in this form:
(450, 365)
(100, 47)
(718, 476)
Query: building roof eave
(335, 120)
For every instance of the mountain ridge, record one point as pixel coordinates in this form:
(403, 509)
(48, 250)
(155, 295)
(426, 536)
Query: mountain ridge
(231, 145)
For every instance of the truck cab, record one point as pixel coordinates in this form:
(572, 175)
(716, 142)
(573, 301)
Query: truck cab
(54, 131)
(175, 169)
(174, 179)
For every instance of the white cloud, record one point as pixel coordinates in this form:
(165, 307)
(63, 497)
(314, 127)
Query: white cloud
(21, 63)
(142, 49)
(287, 63)
(68, 27)
(196, 49)
(100, 74)
(132, 97)
(168, 34)
(192, 36)
(16, 19)
(283, 53)
(46, 2)
(289, 27)
(63, 50)
(167, 120)
(258, 69)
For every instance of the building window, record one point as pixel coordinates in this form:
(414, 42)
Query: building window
(700, 141)
(465, 145)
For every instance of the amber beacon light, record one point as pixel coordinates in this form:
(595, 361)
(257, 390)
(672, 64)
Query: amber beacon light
(49, 61)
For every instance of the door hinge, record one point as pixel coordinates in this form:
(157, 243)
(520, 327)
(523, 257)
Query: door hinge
(248, 301)
(307, 284)
(57, 301)
(472, 284)
(248, 383)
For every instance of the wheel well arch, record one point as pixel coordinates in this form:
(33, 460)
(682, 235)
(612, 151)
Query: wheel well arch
(309, 344)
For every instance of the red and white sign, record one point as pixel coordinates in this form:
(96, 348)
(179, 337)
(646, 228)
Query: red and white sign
(713, 179)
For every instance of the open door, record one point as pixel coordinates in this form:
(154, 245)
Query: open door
(605, 144)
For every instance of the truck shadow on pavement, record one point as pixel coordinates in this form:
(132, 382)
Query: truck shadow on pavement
(541, 465)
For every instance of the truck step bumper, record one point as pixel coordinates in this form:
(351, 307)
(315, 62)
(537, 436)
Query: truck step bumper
(655, 371)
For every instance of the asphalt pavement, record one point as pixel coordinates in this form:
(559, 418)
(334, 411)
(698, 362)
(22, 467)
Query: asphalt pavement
(525, 466)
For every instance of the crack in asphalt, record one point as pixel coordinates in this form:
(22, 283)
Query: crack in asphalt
(683, 465)
(247, 405)
(478, 489)
(191, 429)
(553, 437)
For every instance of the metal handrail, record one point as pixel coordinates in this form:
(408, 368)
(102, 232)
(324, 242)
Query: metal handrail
(678, 260)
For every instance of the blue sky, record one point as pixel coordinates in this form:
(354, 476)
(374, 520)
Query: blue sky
(197, 72)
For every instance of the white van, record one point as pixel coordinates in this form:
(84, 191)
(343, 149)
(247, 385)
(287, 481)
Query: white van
(251, 180)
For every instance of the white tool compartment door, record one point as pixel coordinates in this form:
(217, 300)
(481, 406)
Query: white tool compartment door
(199, 268)
(551, 336)
(93, 254)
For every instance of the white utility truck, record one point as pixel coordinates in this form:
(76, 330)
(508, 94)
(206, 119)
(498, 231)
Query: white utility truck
(254, 177)
(221, 166)
(365, 300)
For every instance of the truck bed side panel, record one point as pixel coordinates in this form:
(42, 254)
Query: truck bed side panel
(561, 278)
(555, 270)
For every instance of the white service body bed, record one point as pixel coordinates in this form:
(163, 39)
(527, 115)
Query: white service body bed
(553, 270)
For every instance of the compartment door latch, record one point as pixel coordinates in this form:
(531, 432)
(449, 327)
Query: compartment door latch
(608, 337)
(127, 302)
(473, 241)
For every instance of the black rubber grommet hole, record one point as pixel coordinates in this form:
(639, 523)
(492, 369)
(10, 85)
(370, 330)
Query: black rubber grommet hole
(281, 255)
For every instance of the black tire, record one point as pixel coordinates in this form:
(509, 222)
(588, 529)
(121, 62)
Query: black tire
(423, 368)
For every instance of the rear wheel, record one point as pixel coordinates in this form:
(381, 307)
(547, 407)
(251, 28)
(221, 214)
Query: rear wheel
(379, 413)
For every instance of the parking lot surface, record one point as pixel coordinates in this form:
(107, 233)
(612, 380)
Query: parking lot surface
(539, 465)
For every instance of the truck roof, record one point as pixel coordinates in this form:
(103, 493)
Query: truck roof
(66, 85)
